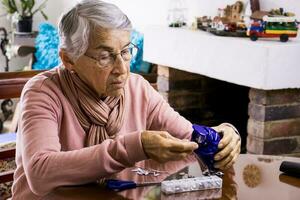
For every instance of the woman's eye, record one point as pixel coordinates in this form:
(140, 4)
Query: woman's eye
(126, 51)
(104, 55)
(104, 58)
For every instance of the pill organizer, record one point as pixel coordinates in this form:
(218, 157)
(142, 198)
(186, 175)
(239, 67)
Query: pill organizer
(191, 184)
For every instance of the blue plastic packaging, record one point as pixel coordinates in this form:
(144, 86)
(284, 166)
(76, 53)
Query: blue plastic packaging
(208, 140)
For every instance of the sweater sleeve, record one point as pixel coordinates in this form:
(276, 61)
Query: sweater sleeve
(162, 117)
(46, 166)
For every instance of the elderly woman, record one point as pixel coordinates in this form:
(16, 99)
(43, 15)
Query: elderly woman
(91, 118)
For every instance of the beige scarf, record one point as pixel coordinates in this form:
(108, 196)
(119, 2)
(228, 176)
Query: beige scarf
(101, 119)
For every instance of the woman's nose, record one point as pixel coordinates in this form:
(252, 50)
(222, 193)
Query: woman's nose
(120, 66)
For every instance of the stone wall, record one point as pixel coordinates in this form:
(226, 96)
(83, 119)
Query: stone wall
(274, 122)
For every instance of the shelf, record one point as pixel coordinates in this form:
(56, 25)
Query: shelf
(12, 83)
(264, 64)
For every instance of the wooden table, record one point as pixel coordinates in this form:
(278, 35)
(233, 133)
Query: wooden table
(252, 177)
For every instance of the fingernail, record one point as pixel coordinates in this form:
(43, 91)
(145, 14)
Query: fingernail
(221, 145)
(217, 157)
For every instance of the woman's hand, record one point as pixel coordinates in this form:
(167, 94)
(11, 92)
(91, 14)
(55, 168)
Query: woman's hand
(229, 146)
(162, 147)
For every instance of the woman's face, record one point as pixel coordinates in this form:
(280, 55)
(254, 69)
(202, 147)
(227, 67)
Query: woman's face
(108, 79)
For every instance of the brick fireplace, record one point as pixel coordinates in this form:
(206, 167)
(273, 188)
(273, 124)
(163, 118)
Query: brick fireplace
(274, 122)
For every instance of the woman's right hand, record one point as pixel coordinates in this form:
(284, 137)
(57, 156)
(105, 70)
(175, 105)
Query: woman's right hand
(162, 147)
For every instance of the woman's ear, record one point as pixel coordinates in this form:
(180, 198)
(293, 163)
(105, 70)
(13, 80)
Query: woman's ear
(68, 63)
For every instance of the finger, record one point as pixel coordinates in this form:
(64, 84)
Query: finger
(228, 165)
(227, 137)
(227, 159)
(217, 128)
(228, 148)
(181, 146)
(225, 152)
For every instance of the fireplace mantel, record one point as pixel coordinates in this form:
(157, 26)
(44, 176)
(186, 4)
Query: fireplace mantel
(263, 64)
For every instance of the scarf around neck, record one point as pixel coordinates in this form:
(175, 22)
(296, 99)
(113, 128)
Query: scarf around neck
(101, 119)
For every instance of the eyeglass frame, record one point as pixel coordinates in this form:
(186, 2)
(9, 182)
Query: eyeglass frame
(114, 56)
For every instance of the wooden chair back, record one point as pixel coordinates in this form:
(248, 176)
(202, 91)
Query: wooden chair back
(11, 85)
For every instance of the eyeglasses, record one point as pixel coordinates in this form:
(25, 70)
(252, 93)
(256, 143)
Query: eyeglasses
(107, 58)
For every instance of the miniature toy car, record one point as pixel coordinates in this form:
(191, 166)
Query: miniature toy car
(283, 27)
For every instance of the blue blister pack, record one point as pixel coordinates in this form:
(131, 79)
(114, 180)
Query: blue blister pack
(208, 140)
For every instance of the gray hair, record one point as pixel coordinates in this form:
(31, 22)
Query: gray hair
(75, 26)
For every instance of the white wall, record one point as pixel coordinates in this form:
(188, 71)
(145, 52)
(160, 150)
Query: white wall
(143, 13)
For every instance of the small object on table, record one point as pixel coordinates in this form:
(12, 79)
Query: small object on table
(146, 172)
(119, 185)
(290, 168)
(252, 175)
(208, 140)
(191, 184)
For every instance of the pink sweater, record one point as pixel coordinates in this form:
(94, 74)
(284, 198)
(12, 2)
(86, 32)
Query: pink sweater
(50, 141)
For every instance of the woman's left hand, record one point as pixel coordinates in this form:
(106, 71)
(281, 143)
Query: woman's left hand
(229, 147)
